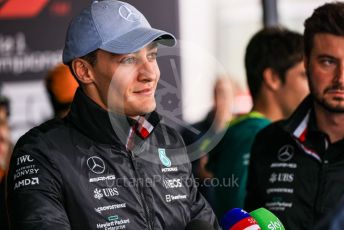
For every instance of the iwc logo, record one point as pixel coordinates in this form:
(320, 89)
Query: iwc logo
(285, 153)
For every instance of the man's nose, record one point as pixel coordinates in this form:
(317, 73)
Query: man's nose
(147, 71)
(340, 73)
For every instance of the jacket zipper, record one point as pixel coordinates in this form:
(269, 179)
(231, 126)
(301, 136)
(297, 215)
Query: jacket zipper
(319, 199)
(144, 203)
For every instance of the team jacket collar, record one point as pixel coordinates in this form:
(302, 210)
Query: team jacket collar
(105, 127)
(299, 119)
(302, 127)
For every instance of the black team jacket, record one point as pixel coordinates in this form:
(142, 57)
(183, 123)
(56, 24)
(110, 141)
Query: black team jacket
(295, 171)
(77, 173)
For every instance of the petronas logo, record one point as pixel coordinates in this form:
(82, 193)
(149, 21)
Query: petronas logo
(163, 158)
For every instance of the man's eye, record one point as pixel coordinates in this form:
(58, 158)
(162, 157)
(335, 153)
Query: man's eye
(327, 62)
(128, 60)
(152, 56)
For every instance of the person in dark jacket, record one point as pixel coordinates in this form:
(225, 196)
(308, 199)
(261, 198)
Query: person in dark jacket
(297, 165)
(278, 83)
(111, 163)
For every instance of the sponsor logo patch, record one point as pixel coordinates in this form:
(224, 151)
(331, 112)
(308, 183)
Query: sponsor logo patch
(163, 158)
(281, 177)
(170, 198)
(110, 207)
(25, 170)
(172, 183)
(114, 224)
(171, 169)
(24, 159)
(102, 178)
(26, 182)
(285, 153)
(96, 164)
(105, 192)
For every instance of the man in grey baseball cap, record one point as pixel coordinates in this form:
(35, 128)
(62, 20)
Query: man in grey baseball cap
(110, 163)
(112, 26)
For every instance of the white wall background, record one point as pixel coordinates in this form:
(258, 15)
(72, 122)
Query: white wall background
(223, 28)
(198, 46)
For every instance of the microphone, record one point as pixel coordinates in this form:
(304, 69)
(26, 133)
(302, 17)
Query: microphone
(238, 219)
(199, 225)
(266, 219)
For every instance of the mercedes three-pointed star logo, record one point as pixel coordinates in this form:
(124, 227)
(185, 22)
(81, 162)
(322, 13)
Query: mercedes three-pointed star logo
(96, 164)
(285, 153)
(128, 14)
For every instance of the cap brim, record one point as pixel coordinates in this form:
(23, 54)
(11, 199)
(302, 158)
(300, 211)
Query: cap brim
(138, 39)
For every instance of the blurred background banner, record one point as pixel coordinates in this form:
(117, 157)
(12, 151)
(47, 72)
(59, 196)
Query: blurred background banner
(32, 36)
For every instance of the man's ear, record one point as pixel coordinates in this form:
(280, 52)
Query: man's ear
(271, 79)
(82, 70)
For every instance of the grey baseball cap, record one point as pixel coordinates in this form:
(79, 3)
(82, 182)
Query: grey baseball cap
(113, 26)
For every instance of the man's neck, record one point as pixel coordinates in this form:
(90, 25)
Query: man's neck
(330, 123)
(268, 108)
(221, 119)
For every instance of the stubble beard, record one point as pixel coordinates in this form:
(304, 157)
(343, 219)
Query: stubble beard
(325, 103)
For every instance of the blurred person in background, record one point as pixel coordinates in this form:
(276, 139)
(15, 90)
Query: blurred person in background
(61, 86)
(215, 122)
(297, 165)
(277, 83)
(5, 153)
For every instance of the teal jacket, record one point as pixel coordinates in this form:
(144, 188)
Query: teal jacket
(229, 161)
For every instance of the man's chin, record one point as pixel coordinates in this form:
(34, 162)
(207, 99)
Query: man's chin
(142, 110)
(148, 110)
(333, 106)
